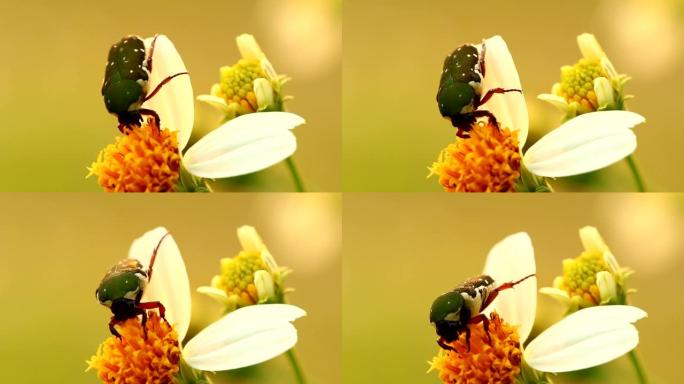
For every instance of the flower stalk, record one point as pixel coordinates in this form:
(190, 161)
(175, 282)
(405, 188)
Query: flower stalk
(638, 180)
(296, 368)
(296, 178)
(638, 367)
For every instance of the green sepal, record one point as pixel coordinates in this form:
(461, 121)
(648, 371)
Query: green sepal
(188, 375)
(188, 182)
(529, 182)
(529, 375)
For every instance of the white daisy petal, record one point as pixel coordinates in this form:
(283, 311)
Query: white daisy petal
(174, 102)
(169, 282)
(586, 143)
(215, 293)
(558, 294)
(510, 260)
(243, 145)
(592, 240)
(510, 109)
(244, 337)
(586, 338)
(215, 101)
(554, 100)
(251, 242)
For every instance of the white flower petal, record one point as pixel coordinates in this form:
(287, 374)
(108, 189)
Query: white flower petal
(251, 242)
(169, 282)
(247, 336)
(245, 144)
(554, 100)
(510, 260)
(590, 47)
(215, 293)
(510, 109)
(583, 144)
(558, 294)
(584, 339)
(174, 102)
(249, 48)
(591, 239)
(215, 101)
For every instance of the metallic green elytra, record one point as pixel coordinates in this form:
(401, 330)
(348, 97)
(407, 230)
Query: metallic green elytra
(453, 312)
(125, 82)
(460, 89)
(447, 307)
(122, 284)
(460, 83)
(122, 287)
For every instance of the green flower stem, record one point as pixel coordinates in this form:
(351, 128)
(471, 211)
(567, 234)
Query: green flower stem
(299, 185)
(638, 367)
(635, 173)
(296, 367)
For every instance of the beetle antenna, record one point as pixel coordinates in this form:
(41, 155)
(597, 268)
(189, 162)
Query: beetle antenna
(158, 87)
(154, 256)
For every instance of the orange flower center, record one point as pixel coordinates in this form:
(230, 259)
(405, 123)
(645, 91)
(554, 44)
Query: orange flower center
(134, 359)
(498, 362)
(488, 161)
(146, 159)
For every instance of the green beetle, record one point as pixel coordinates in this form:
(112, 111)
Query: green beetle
(460, 89)
(122, 288)
(453, 312)
(125, 85)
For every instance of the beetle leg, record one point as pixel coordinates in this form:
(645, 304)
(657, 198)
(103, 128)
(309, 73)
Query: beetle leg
(144, 322)
(492, 92)
(492, 295)
(488, 115)
(154, 305)
(482, 59)
(154, 257)
(485, 323)
(148, 61)
(442, 343)
(163, 82)
(113, 330)
(155, 116)
(467, 331)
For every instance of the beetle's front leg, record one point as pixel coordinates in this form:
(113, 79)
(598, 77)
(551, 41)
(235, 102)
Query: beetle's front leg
(442, 343)
(155, 116)
(485, 324)
(113, 330)
(493, 92)
(154, 305)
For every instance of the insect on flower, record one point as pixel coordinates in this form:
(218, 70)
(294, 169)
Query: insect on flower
(460, 88)
(122, 288)
(453, 312)
(125, 85)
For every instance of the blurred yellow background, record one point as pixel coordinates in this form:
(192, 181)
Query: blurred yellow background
(401, 251)
(55, 121)
(55, 248)
(393, 55)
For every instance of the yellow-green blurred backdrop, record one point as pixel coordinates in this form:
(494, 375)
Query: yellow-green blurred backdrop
(402, 250)
(54, 53)
(393, 55)
(55, 248)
